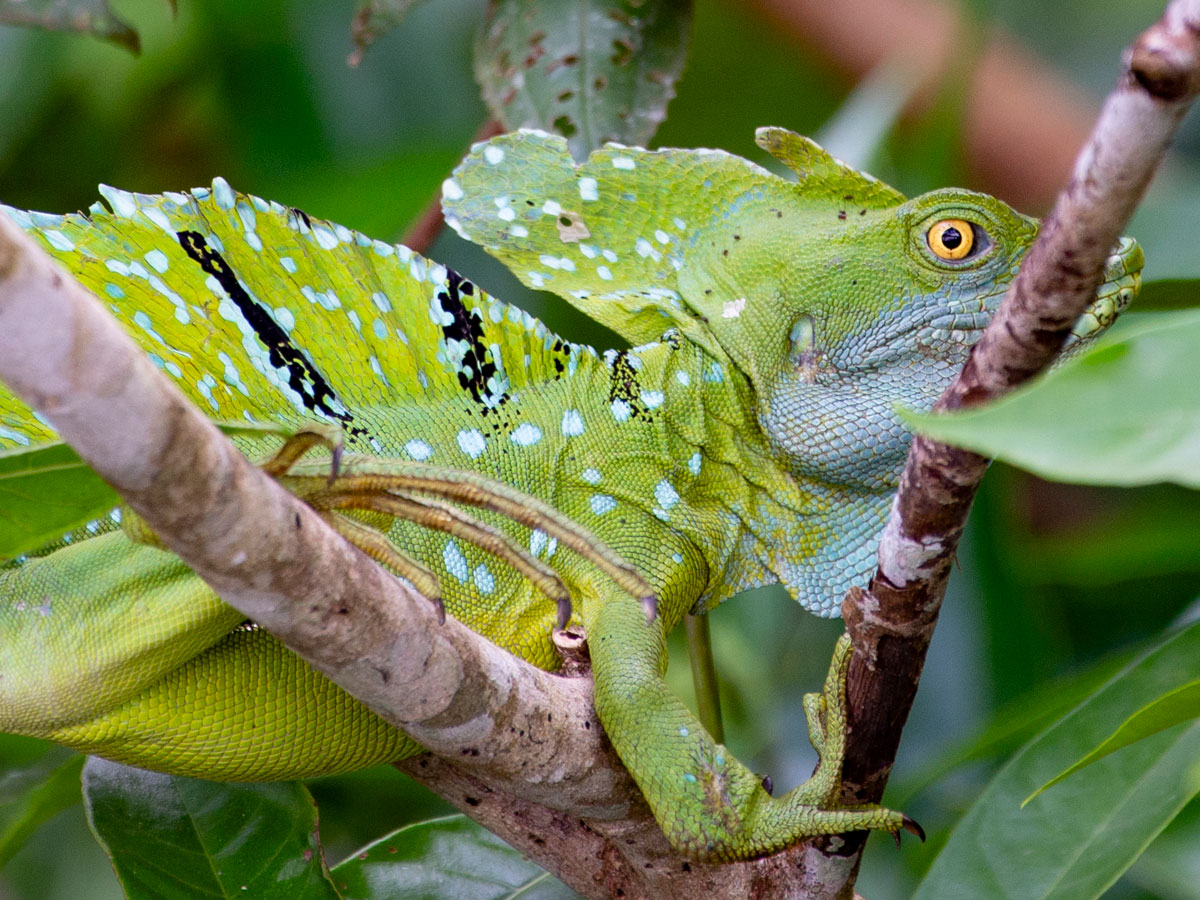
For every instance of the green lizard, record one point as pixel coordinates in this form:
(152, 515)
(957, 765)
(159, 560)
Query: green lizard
(750, 437)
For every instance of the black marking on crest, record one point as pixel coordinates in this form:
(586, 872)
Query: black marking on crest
(303, 376)
(624, 386)
(477, 366)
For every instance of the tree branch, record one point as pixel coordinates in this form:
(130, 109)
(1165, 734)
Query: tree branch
(893, 620)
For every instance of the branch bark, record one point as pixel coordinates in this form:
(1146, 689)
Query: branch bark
(892, 621)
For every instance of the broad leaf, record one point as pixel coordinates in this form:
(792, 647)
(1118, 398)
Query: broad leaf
(1125, 412)
(90, 16)
(47, 491)
(1181, 704)
(173, 838)
(34, 792)
(1168, 294)
(1071, 843)
(448, 857)
(592, 71)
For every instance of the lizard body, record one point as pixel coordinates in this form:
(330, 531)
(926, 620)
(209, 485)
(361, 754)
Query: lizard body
(749, 437)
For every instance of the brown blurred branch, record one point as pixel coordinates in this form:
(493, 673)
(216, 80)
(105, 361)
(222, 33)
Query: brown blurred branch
(424, 231)
(1023, 122)
(893, 621)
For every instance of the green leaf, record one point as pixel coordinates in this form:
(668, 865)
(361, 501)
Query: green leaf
(173, 838)
(372, 20)
(90, 16)
(34, 793)
(47, 490)
(1073, 842)
(1168, 294)
(592, 71)
(1181, 704)
(448, 857)
(1125, 412)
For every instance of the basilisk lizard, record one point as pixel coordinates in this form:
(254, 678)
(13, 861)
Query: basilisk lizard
(750, 436)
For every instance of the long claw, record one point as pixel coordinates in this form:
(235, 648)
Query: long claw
(441, 517)
(650, 607)
(300, 443)
(383, 551)
(912, 827)
(473, 489)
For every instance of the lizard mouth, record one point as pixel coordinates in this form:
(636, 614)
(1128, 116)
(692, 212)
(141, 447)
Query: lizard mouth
(1122, 279)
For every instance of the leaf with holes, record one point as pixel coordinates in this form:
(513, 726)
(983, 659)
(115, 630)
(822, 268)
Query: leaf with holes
(372, 20)
(88, 16)
(594, 71)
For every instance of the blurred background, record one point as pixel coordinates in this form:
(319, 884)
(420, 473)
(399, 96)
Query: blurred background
(1057, 584)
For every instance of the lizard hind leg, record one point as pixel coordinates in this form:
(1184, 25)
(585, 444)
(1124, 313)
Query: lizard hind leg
(419, 493)
(708, 803)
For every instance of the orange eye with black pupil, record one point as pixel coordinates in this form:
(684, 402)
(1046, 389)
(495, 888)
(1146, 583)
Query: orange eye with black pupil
(951, 239)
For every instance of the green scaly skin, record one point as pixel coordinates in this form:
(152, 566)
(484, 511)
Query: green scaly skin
(750, 437)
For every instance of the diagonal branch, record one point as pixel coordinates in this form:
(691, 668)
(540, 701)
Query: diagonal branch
(893, 620)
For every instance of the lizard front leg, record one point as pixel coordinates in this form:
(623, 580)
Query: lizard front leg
(709, 805)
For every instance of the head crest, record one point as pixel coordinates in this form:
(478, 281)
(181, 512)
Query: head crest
(820, 172)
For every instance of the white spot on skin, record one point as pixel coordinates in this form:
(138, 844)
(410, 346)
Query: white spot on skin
(456, 563)
(284, 317)
(683, 377)
(604, 272)
(485, 582)
(731, 309)
(525, 435)
(623, 162)
(588, 189)
(223, 193)
(519, 231)
(289, 264)
(609, 255)
(662, 237)
(602, 503)
(418, 450)
(551, 208)
(572, 423)
(537, 279)
(665, 494)
(60, 241)
(591, 475)
(620, 410)
(158, 261)
(645, 249)
(451, 190)
(652, 399)
(325, 236)
(694, 463)
(472, 442)
(537, 542)
(506, 214)
(493, 155)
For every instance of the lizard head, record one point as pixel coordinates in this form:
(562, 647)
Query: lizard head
(837, 298)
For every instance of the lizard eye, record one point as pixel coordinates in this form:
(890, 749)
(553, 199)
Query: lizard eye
(953, 239)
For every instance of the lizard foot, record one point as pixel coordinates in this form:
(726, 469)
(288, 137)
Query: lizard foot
(425, 494)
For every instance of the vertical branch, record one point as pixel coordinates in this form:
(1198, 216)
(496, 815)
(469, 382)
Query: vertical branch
(892, 621)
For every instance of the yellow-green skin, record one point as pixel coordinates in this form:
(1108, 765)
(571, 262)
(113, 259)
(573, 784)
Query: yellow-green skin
(750, 438)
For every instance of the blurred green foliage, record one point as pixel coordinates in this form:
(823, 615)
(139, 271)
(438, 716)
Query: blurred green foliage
(1057, 584)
